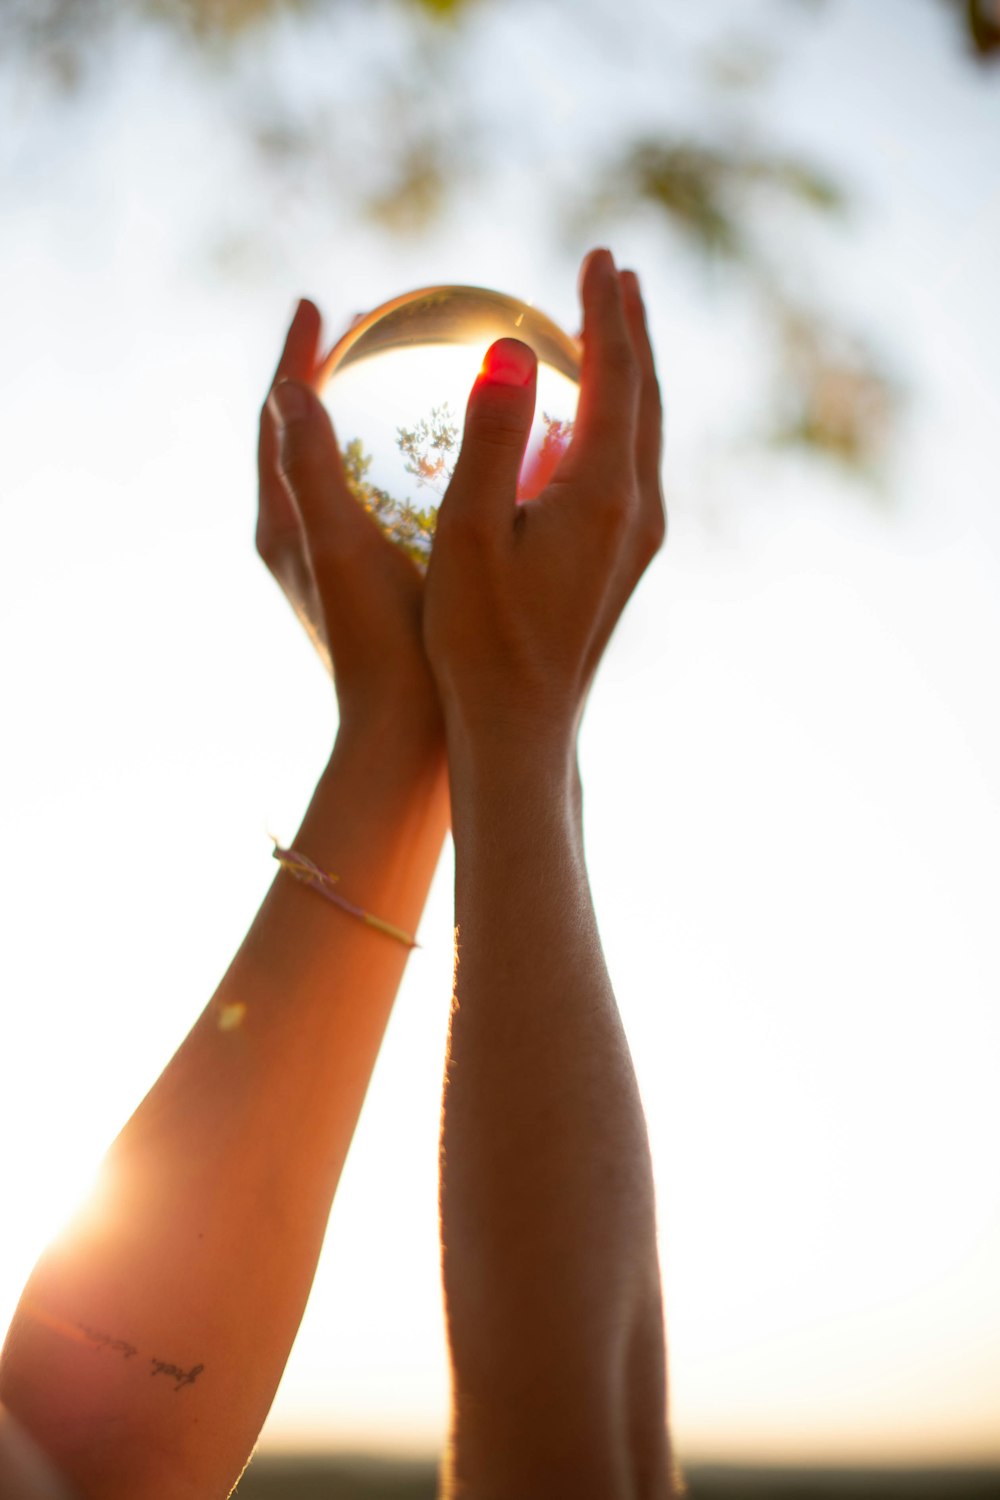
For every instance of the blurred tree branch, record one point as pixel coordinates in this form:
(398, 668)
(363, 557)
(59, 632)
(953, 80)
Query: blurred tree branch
(704, 190)
(62, 34)
(981, 22)
(387, 156)
(833, 395)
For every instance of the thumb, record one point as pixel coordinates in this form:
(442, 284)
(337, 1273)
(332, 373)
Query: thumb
(497, 426)
(308, 456)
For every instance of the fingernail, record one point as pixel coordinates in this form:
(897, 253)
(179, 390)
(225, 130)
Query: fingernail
(509, 362)
(289, 402)
(607, 264)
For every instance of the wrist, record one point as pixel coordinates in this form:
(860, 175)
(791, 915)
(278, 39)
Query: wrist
(503, 775)
(387, 774)
(376, 821)
(395, 734)
(517, 743)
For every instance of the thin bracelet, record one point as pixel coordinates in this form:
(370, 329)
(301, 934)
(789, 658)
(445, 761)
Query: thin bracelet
(303, 869)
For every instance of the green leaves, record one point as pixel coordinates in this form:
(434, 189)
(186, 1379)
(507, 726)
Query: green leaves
(430, 449)
(404, 139)
(834, 396)
(444, 8)
(705, 191)
(981, 21)
(831, 396)
(428, 446)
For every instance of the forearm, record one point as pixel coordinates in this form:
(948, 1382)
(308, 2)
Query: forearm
(25, 1472)
(198, 1250)
(548, 1220)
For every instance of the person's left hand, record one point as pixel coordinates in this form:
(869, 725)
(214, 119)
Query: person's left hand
(358, 596)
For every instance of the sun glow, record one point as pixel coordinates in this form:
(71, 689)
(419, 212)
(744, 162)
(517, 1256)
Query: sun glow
(790, 757)
(59, 1185)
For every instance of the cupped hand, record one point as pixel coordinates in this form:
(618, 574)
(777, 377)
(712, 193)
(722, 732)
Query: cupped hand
(358, 596)
(522, 596)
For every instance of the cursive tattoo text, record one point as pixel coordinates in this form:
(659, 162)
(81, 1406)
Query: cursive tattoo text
(105, 1341)
(183, 1377)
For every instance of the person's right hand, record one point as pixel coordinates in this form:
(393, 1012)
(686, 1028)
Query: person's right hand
(522, 597)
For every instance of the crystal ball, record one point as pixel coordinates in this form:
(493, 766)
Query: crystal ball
(396, 386)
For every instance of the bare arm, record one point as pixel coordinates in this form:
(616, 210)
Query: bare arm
(151, 1337)
(547, 1213)
(25, 1471)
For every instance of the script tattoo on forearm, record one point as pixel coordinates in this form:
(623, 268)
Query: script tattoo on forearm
(183, 1377)
(105, 1341)
(101, 1341)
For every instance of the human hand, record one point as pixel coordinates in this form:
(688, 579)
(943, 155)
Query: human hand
(358, 596)
(521, 598)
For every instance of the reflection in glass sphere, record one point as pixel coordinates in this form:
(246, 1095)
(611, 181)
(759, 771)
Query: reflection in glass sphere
(396, 386)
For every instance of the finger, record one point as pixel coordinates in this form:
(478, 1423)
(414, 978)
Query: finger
(299, 357)
(297, 362)
(649, 432)
(604, 432)
(310, 467)
(498, 419)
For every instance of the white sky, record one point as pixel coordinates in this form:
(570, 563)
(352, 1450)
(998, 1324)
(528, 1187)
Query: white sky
(790, 757)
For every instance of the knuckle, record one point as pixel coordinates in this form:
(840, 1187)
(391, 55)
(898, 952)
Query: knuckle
(502, 438)
(498, 425)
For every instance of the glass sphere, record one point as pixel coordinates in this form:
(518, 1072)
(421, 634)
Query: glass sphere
(396, 386)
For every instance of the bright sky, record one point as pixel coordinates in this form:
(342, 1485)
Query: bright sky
(790, 757)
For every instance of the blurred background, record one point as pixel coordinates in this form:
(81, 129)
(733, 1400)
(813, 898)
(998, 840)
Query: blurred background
(791, 754)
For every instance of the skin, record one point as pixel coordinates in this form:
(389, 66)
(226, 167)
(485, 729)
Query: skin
(551, 1275)
(199, 1246)
(26, 1473)
(151, 1336)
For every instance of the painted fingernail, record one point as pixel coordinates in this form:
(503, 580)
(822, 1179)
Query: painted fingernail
(509, 362)
(289, 402)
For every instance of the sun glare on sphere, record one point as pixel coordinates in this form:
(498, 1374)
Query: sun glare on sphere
(397, 387)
